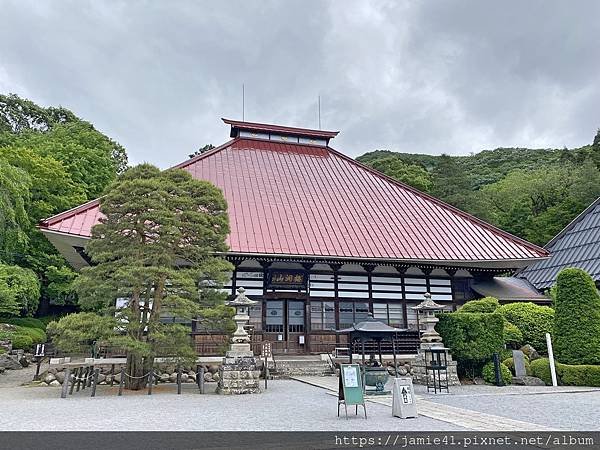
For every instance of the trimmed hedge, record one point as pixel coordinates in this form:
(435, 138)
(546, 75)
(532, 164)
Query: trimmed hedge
(484, 305)
(576, 337)
(489, 374)
(532, 320)
(471, 336)
(566, 374)
(24, 337)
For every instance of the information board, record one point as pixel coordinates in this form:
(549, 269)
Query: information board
(351, 386)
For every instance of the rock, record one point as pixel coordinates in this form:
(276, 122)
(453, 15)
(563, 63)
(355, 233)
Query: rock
(208, 377)
(10, 362)
(530, 352)
(101, 378)
(528, 381)
(402, 371)
(24, 361)
(54, 383)
(184, 377)
(216, 377)
(173, 377)
(164, 378)
(60, 377)
(189, 380)
(49, 378)
(52, 370)
(213, 368)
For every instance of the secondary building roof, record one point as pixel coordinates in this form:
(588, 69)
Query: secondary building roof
(578, 245)
(291, 194)
(508, 289)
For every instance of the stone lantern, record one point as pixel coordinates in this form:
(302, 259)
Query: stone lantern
(433, 364)
(240, 341)
(427, 310)
(239, 373)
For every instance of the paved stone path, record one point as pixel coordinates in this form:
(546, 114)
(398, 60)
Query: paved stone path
(473, 420)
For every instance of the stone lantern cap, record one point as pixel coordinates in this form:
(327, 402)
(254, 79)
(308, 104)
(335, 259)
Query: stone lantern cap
(428, 304)
(241, 299)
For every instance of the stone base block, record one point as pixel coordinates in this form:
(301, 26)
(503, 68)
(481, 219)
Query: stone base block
(419, 376)
(239, 375)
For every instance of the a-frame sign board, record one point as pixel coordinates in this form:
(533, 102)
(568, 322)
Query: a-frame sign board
(351, 388)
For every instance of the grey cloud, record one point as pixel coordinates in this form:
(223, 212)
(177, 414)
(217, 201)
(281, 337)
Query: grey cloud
(438, 76)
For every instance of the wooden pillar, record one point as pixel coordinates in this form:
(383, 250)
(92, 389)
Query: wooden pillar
(394, 353)
(121, 381)
(150, 381)
(379, 350)
(402, 270)
(65, 385)
(75, 376)
(95, 382)
(178, 379)
(369, 268)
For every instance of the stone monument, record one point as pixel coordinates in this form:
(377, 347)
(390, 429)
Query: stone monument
(430, 338)
(239, 373)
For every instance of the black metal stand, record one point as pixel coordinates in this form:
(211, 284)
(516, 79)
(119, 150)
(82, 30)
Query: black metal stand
(436, 363)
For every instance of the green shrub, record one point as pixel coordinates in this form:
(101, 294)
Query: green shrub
(484, 305)
(579, 375)
(532, 320)
(29, 322)
(513, 338)
(566, 374)
(576, 337)
(540, 368)
(21, 341)
(472, 338)
(489, 374)
(509, 362)
(37, 336)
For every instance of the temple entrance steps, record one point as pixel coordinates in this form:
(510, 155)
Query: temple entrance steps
(287, 366)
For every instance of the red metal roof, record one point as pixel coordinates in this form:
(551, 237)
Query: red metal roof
(292, 199)
(264, 127)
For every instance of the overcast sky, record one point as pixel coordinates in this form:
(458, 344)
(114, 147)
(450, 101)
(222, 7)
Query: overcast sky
(426, 76)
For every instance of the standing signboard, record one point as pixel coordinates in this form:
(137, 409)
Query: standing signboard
(351, 388)
(403, 400)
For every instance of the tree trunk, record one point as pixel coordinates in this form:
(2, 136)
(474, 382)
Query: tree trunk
(135, 371)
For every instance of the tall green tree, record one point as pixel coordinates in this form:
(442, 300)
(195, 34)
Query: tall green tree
(159, 239)
(14, 222)
(595, 150)
(19, 291)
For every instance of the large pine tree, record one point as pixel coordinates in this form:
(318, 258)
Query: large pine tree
(157, 242)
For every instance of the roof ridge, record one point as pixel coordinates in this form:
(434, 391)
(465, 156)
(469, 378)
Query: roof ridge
(443, 204)
(201, 156)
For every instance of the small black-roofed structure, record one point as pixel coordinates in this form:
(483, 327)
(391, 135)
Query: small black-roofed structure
(367, 337)
(577, 245)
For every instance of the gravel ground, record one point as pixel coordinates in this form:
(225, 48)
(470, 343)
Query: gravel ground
(286, 406)
(578, 411)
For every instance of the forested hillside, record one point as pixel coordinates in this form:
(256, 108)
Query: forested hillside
(50, 161)
(532, 193)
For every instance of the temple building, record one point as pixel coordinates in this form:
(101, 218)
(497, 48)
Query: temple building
(321, 241)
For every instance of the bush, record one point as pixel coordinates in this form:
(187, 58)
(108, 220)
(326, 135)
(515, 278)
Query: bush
(510, 363)
(485, 305)
(532, 320)
(21, 341)
(489, 374)
(513, 338)
(579, 375)
(577, 322)
(37, 336)
(566, 374)
(472, 338)
(540, 368)
(29, 322)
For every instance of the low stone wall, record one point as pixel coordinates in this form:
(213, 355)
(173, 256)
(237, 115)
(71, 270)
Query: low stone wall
(167, 374)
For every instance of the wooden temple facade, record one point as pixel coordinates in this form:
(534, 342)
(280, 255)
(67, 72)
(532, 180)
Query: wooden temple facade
(322, 241)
